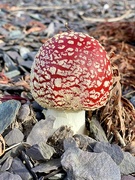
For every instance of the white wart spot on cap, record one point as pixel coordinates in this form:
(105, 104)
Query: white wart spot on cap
(70, 42)
(52, 70)
(99, 83)
(82, 35)
(61, 47)
(106, 83)
(101, 50)
(79, 44)
(57, 82)
(60, 41)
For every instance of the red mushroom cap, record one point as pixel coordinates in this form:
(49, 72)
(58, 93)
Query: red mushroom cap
(71, 71)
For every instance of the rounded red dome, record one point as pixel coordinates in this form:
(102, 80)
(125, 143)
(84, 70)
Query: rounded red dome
(71, 71)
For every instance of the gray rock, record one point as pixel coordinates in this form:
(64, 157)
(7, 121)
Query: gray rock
(58, 137)
(27, 64)
(84, 142)
(14, 55)
(19, 168)
(12, 152)
(9, 176)
(41, 131)
(81, 165)
(8, 112)
(16, 34)
(9, 63)
(24, 112)
(14, 136)
(28, 163)
(58, 176)
(40, 151)
(60, 134)
(31, 55)
(48, 166)
(96, 130)
(69, 143)
(112, 149)
(127, 166)
(7, 164)
(24, 51)
(127, 177)
(12, 74)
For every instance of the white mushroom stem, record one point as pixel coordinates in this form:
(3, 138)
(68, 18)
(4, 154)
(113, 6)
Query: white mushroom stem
(73, 119)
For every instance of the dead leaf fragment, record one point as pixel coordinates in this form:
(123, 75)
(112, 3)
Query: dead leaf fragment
(35, 26)
(119, 114)
(3, 79)
(2, 145)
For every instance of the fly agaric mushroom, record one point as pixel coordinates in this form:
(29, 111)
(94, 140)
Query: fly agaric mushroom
(71, 73)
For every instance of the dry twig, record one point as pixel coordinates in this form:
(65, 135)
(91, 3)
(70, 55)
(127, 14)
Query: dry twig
(14, 8)
(124, 16)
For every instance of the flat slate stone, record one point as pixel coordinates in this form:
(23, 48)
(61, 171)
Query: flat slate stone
(112, 149)
(8, 112)
(48, 166)
(69, 142)
(9, 176)
(84, 142)
(40, 152)
(88, 165)
(13, 137)
(19, 168)
(96, 130)
(41, 131)
(7, 164)
(127, 166)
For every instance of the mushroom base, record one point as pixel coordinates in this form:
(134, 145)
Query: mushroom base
(73, 119)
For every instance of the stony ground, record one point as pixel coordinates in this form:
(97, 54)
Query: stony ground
(28, 149)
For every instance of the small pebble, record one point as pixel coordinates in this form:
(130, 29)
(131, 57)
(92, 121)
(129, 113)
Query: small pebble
(112, 149)
(13, 137)
(8, 112)
(127, 166)
(48, 166)
(19, 168)
(36, 106)
(40, 152)
(24, 112)
(24, 52)
(41, 131)
(9, 176)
